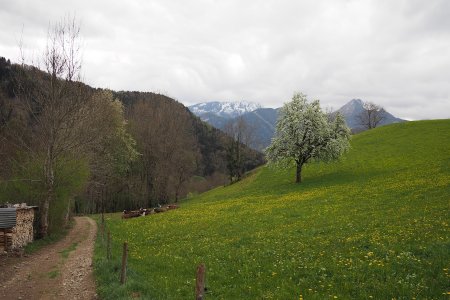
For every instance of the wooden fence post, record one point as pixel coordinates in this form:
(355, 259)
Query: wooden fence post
(123, 273)
(200, 282)
(108, 246)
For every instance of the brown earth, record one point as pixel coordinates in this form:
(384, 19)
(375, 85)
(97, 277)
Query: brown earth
(59, 271)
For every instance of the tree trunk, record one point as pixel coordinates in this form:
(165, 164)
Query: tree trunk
(103, 211)
(176, 195)
(238, 158)
(103, 205)
(67, 216)
(178, 187)
(50, 182)
(298, 177)
(43, 226)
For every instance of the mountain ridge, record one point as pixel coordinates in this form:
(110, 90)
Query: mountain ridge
(263, 120)
(227, 109)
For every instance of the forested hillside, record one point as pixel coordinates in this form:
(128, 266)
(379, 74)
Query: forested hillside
(146, 149)
(211, 142)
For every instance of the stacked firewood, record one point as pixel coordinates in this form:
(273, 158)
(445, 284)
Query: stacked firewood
(5, 239)
(22, 233)
(147, 211)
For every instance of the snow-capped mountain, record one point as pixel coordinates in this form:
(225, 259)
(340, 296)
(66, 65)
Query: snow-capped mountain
(225, 110)
(263, 120)
(218, 114)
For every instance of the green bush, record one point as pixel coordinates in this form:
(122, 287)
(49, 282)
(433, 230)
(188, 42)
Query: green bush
(28, 185)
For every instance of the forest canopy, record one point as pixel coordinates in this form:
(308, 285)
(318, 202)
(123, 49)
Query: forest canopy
(68, 147)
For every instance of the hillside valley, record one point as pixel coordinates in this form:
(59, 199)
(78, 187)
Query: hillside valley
(229, 150)
(358, 228)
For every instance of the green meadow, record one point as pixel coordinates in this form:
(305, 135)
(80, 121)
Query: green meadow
(374, 224)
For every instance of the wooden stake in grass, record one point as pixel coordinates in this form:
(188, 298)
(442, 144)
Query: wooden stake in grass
(200, 282)
(123, 273)
(108, 246)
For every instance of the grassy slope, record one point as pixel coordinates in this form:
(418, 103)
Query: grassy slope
(375, 224)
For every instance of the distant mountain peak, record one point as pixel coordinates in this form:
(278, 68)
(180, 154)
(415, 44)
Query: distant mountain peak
(353, 109)
(356, 101)
(229, 109)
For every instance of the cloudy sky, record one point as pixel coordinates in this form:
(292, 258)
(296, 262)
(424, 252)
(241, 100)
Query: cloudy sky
(392, 52)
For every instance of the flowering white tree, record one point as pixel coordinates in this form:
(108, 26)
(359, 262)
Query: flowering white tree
(305, 133)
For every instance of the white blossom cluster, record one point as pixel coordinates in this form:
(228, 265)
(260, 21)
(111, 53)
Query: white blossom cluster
(304, 133)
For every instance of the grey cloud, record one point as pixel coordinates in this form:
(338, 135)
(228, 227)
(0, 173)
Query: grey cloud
(394, 53)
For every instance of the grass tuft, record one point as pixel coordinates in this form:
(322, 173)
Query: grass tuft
(53, 274)
(65, 253)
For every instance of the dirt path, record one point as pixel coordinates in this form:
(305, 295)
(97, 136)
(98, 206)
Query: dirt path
(59, 271)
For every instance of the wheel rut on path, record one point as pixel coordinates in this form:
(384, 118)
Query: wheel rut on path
(59, 271)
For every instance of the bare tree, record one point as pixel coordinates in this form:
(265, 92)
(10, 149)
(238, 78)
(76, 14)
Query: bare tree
(371, 116)
(184, 170)
(64, 115)
(330, 113)
(168, 146)
(242, 134)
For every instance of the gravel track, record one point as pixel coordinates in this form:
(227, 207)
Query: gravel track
(59, 271)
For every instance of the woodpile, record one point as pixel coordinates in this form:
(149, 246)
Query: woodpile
(130, 214)
(20, 232)
(5, 239)
(147, 211)
(160, 209)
